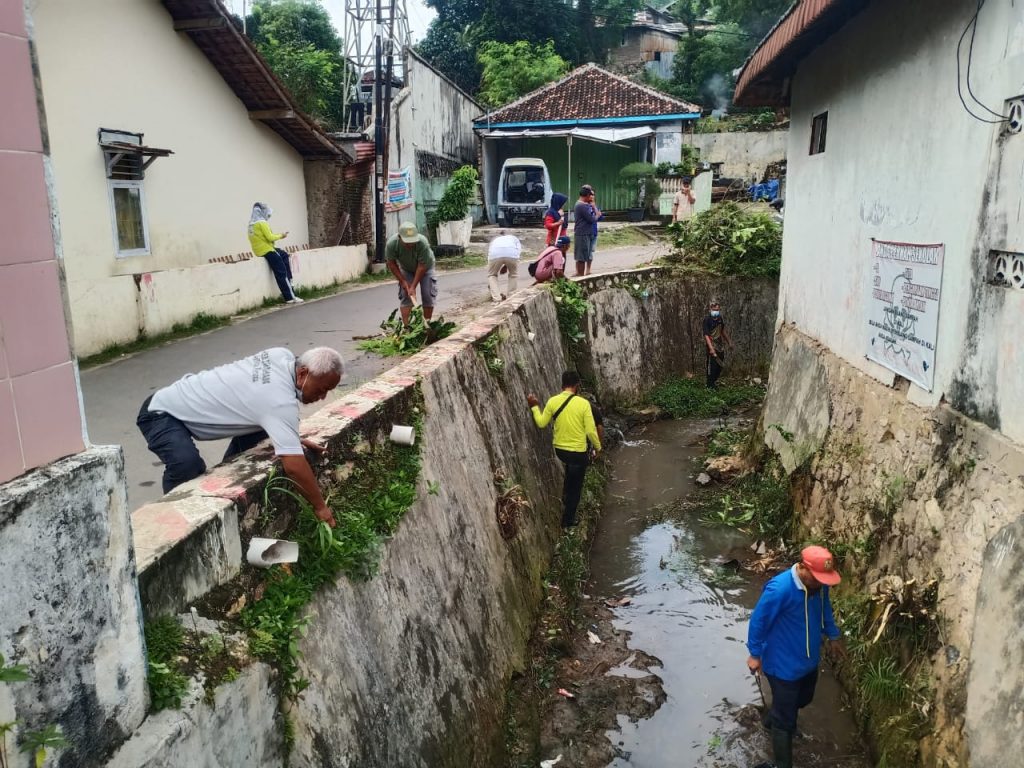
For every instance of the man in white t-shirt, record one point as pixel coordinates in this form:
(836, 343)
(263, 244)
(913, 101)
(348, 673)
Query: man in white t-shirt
(248, 401)
(503, 254)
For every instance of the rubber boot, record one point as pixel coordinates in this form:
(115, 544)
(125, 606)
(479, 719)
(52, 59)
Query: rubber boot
(782, 746)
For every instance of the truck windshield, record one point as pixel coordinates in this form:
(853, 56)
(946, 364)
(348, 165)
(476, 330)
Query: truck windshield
(524, 184)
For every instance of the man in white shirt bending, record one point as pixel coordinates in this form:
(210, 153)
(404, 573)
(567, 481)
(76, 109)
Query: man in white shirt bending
(503, 255)
(248, 401)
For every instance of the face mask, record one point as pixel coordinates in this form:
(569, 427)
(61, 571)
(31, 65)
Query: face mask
(715, 313)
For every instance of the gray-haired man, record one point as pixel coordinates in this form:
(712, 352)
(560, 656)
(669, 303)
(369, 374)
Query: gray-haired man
(248, 401)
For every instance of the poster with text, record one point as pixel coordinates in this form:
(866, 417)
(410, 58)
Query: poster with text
(903, 308)
(399, 194)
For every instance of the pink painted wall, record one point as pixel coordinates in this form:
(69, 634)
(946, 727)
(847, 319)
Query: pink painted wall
(40, 411)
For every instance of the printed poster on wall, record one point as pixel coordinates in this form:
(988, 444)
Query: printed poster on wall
(399, 190)
(903, 308)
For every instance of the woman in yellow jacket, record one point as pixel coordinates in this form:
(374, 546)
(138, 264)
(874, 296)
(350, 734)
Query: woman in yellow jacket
(262, 239)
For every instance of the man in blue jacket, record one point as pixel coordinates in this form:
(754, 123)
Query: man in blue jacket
(786, 629)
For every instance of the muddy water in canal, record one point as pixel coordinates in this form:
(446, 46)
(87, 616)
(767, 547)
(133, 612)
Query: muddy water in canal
(692, 615)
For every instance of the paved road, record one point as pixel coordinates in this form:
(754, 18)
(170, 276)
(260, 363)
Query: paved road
(113, 392)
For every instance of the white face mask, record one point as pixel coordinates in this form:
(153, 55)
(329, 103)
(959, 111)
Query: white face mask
(715, 313)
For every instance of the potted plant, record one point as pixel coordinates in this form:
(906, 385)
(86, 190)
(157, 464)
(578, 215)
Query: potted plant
(451, 218)
(639, 180)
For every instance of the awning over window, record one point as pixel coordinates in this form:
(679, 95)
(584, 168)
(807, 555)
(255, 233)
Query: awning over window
(604, 135)
(126, 157)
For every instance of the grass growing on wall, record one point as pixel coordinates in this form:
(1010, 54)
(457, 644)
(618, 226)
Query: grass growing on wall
(368, 505)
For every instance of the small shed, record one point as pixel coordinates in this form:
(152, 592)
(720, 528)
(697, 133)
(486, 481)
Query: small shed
(585, 127)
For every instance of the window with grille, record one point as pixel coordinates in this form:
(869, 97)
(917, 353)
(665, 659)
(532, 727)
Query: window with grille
(819, 129)
(126, 159)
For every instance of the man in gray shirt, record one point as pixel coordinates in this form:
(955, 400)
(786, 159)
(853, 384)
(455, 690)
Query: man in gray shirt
(583, 231)
(248, 401)
(412, 263)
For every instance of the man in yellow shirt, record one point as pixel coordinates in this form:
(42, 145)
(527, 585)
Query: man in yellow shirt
(573, 427)
(263, 241)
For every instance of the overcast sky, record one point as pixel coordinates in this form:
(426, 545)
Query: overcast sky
(419, 14)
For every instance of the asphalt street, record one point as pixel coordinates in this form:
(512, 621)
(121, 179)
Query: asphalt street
(113, 392)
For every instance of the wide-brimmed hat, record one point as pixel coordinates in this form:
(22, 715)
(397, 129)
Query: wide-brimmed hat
(408, 233)
(819, 562)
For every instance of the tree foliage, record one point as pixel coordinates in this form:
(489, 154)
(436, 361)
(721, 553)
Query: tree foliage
(729, 240)
(511, 70)
(299, 42)
(704, 64)
(579, 31)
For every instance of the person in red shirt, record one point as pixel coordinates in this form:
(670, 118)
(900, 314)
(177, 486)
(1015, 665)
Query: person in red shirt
(555, 220)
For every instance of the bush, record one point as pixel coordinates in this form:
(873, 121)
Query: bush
(454, 203)
(729, 240)
(689, 398)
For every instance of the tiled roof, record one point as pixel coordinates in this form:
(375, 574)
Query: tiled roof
(805, 26)
(589, 93)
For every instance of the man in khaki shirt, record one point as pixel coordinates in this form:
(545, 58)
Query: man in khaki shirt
(682, 203)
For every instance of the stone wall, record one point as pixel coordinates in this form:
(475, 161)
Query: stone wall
(69, 607)
(957, 518)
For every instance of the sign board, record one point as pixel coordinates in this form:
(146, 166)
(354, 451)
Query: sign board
(903, 308)
(399, 190)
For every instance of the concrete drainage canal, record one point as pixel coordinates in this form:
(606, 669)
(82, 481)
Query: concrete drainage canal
(667, 606)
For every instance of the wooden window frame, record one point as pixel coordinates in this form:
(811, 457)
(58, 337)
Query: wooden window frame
(819, 133)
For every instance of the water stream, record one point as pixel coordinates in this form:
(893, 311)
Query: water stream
(692, 614)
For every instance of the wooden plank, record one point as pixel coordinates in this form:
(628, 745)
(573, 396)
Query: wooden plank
(199, 25)
(272, 114)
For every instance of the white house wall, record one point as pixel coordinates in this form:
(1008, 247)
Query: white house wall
(119, 64)
(905, 162)
(431, 115)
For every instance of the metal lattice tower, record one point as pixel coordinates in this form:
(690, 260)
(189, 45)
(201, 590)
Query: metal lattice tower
(364, 21)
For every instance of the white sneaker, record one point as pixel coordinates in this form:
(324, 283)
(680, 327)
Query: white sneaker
(295, 300)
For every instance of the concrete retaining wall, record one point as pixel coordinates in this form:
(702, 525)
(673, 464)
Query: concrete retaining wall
(957, 520)
(743, 154)
(111, 310)
(634, 343)
(68, 607)
(409, 668)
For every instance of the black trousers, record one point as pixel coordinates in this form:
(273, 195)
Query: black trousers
(279, 264)
(714, 371)
(789, 697)
(576, 463)
(171, 441)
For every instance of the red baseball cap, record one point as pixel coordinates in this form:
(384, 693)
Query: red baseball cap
(818, 561)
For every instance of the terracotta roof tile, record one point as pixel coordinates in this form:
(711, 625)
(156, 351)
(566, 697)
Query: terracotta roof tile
(589, 93)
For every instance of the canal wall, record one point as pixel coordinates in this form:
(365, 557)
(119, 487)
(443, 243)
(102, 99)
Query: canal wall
(406, 667)
(938, 496)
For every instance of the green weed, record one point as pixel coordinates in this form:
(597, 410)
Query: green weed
(398, 340)
(729, 240)
(682, 398)
(487, 347)
(622, 236)
(571, 307)
(165, 641)
(368, 506)
(725, 441)
(759, 502)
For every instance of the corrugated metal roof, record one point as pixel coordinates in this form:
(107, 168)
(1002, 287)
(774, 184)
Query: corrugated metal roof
(805, 26)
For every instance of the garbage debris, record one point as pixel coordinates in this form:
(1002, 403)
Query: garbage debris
(703, 478)
(594, 639)
(611, 602)
(264, 553)
(550, 763)
(567, 694)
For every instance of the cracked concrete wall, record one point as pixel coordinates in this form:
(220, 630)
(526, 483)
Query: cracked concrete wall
(635, 341)
(955, 520)
(240, 726)
(69, 608)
